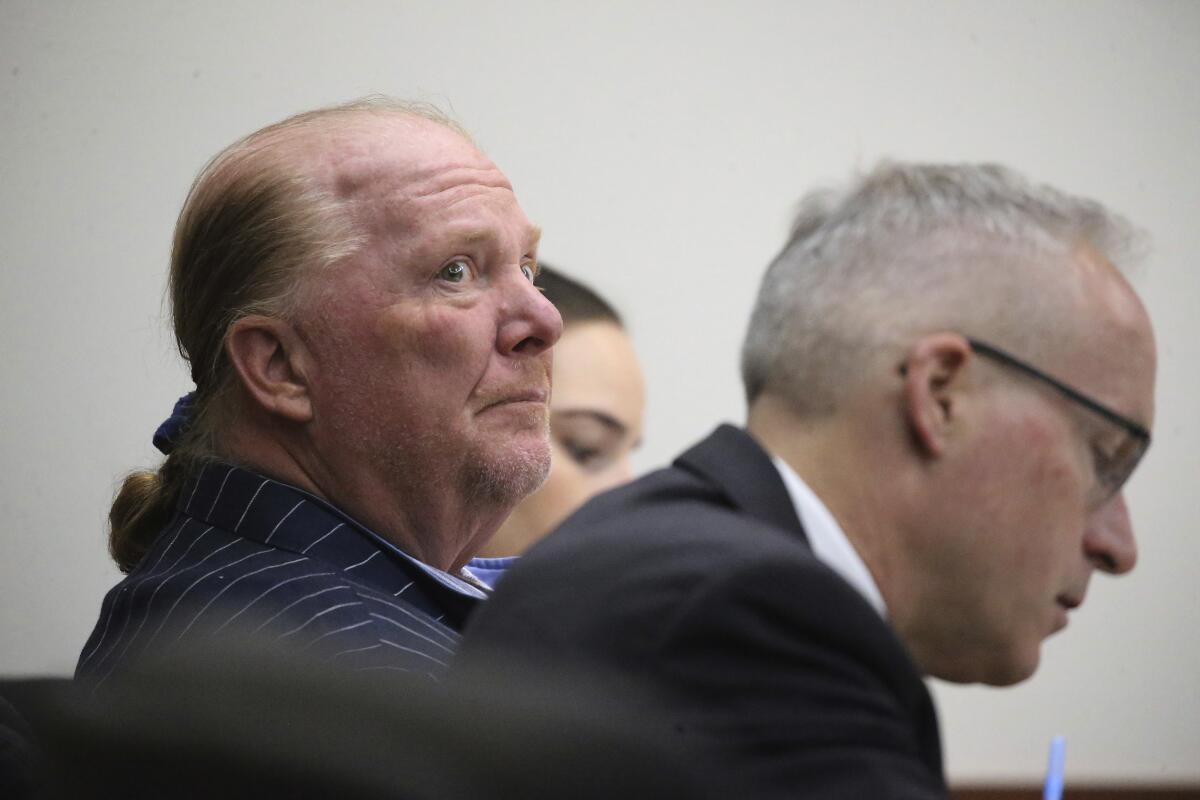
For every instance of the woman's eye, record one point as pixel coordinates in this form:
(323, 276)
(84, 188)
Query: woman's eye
(590, 458)
(455, 272)
(581, 454)
(528, 271)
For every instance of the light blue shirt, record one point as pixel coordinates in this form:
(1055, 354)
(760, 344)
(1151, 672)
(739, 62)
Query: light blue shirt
(490, 570)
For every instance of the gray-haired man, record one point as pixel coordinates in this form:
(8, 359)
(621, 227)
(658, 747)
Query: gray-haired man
(949, 381)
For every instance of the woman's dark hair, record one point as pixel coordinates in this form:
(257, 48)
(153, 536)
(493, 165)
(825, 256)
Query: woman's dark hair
(574, 301)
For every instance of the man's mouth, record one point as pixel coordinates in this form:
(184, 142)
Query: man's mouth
(540, 395)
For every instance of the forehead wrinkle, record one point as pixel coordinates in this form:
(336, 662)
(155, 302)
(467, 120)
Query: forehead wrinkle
(401, 158)
(384, 175)
(433, 180)
(364, 178)
(392, 200)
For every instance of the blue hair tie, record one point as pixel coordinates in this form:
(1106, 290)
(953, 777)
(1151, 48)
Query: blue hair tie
(169, 433)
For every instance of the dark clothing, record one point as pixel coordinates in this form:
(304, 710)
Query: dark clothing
(249, 556)
(237, 724)
(699, 579)
(19, 754)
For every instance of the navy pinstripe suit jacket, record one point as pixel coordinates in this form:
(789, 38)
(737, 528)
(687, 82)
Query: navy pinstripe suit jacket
(250, 556)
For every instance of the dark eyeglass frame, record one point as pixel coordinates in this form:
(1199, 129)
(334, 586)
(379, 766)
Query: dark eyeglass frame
(1138, 432)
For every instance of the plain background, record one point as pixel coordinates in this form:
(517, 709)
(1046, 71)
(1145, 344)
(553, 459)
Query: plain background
(662, 146)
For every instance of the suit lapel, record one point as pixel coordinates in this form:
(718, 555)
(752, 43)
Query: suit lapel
(736, 464)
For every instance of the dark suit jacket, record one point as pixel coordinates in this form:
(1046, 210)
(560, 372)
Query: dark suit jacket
(699, 580)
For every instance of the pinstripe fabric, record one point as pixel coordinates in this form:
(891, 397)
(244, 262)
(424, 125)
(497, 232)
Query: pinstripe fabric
(248, 555)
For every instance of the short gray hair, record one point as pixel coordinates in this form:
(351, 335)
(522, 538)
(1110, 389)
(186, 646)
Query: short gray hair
(914, 248)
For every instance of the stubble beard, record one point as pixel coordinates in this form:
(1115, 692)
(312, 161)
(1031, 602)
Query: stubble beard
(504, 476)
(493, 472)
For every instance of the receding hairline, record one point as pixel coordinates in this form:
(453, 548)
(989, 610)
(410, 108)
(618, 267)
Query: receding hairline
(373, 107)
(298, 145)
(305, 138)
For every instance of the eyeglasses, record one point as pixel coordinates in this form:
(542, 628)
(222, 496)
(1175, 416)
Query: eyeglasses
(1112, 469)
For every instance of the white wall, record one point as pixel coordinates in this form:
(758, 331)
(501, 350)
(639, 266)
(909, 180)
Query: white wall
(661, 146)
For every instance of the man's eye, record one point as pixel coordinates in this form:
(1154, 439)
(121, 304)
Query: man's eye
(528, 271)
(455, 272)
(1106, 466)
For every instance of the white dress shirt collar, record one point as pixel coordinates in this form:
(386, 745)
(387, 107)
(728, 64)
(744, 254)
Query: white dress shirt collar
(825, 536)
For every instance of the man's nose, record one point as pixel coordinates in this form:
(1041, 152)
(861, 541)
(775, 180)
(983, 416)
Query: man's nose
(1108, 538)
(531, 323)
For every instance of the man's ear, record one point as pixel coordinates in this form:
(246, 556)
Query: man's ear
(270, 360)
(933, 370)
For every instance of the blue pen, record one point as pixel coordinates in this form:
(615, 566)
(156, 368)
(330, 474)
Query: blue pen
(1054, 770)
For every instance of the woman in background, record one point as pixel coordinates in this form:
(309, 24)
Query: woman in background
(596, 407)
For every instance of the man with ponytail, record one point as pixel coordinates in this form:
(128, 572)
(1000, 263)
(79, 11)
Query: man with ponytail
(353, 290)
